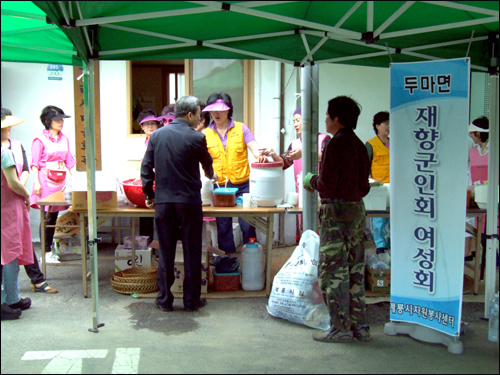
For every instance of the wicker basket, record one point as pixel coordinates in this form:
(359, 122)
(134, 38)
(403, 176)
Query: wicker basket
(135, 280)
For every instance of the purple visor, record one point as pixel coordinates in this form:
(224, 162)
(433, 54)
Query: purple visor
(148, 118)
(168, 116)
(219, 105)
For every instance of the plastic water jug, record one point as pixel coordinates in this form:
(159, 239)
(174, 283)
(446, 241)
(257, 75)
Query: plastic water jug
(252, 266)
(267, 184)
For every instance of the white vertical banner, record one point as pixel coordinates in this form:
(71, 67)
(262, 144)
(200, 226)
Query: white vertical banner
(429, 125)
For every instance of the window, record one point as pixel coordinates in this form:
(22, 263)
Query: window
(154, 84)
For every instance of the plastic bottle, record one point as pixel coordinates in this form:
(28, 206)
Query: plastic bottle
(493, 329)
(252, 266)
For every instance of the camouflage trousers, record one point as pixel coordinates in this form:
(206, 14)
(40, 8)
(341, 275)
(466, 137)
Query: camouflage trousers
(341, 271)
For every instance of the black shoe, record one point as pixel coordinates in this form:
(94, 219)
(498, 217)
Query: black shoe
(203, 302)
(381, 250)
(9, 313)
(23, 304)
(168, 309)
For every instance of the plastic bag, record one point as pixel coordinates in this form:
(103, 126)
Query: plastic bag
(68, 191)
(295, 295)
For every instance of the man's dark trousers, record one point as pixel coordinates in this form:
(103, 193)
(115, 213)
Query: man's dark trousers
(184, 221)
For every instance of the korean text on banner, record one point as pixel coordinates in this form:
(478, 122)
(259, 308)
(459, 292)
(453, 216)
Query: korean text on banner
(429, 118)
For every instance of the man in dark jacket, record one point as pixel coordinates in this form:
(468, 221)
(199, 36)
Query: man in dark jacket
(342, 183)
(172, 163)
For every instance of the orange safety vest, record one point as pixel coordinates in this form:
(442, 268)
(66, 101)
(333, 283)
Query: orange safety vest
(232, 162)
(380, 162)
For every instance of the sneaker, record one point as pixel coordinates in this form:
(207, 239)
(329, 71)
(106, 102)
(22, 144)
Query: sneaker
(362, 333)
(333, 335)
(23, 304)
(51, 258)
(9, 313)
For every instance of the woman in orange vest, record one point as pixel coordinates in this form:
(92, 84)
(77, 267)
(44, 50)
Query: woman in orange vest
(378, 153)
(227, 142)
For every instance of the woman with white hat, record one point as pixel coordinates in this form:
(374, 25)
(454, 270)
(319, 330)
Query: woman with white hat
(478, 159)
(50, 159)
(38, 281)
(17, 247)
(479, 132)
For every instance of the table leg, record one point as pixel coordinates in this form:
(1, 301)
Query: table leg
(42, 240)
(269, 237)
(83, 237)
(477, 263)
(132, 237)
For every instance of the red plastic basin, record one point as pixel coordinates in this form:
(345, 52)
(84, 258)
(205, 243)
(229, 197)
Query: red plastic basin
(133, 191)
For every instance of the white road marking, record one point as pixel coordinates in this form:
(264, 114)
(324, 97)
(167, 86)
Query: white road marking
(70, 361)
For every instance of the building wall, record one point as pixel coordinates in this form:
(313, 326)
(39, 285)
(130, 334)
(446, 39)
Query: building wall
(26, 90)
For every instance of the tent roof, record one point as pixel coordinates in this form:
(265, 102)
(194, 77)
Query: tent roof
(353, 32)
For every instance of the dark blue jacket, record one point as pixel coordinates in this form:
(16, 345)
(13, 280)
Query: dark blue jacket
(172, 161)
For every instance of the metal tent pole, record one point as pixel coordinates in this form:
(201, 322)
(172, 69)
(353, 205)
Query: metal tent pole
(305, 89)
(88, 88)
(314, 140)
(492, 209)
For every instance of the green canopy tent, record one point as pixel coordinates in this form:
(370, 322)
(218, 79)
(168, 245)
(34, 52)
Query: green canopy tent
(302, 33)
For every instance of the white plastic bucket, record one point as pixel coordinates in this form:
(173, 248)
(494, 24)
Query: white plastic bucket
(267, 184)
(206, 191)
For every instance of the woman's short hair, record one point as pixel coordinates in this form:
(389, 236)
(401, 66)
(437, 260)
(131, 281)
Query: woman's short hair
(205, 115)
(346, 109)
(48, 113)
(6, 112)
(379, 118)
(225, 98)
(146, 113)
(168, 109)
(483, 123)
(185, 105)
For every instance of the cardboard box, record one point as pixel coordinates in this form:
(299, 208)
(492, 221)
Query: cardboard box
(378, 280)
(104, 200)
(141, 242)
(142, 258)
(179, 271)
(376, 198)
(179, 267)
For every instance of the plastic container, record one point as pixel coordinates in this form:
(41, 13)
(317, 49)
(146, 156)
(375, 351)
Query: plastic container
(493, 323)
(388, 186)
(376, 198)
(252, 266)
(224, 197)
(267, 184)
(227, 282)
(481, 195)
(206, 191)
(133, 191)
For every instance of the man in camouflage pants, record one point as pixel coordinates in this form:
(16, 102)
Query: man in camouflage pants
(342, 183)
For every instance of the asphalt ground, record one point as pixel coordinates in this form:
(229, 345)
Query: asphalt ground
(226, 336)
